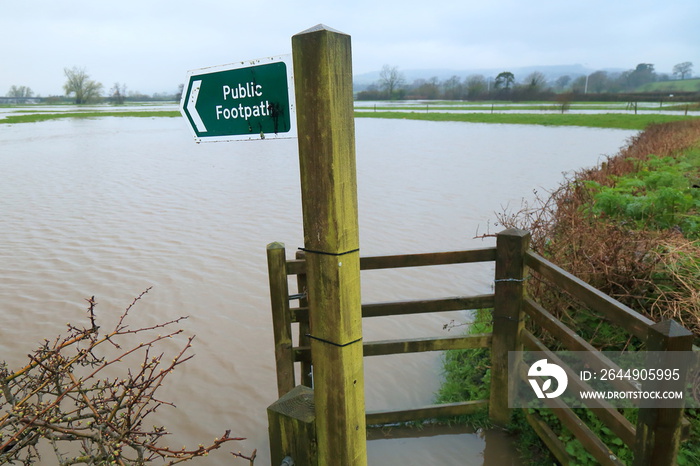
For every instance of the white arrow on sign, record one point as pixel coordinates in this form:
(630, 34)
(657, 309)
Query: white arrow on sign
(192, 109)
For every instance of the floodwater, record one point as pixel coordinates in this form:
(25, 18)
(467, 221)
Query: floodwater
(111, 206)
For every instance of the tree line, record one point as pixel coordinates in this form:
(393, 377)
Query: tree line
(80, 89)
(392, 84)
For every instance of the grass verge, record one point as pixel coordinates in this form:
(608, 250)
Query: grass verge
(602, 120)
(38, 117)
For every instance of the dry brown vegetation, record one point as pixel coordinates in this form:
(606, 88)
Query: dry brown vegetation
(654, 271)
(63, 398)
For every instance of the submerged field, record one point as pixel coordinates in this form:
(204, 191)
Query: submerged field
(593, 115)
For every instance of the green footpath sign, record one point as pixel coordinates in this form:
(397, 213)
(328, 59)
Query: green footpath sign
(241, 101)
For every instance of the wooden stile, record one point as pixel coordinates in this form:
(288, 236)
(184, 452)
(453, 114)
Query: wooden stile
(655, 439)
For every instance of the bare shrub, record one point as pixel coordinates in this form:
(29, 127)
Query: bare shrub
(63, 397)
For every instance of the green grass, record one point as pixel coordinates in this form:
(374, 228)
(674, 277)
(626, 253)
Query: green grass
(679, 85)
(660, 194)
(603, 120)
(495, 106)
(37, 117)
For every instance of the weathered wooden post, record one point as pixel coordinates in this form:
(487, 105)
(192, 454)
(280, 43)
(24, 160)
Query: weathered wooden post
(292, 428)
(511, 246)
(281, 321)
(658, 425)
(325, 120)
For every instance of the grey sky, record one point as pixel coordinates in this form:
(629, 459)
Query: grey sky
(149, 45)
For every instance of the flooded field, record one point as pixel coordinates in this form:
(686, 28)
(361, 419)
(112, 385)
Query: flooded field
(111, 206)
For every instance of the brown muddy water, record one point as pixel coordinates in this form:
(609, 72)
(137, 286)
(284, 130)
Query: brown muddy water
(111, 206)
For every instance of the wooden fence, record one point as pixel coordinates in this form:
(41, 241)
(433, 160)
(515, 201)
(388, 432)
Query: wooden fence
(655, 438)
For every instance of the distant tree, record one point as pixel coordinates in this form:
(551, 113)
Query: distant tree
(118, 93)
(578, 85)
(644, 73)
(504, 80)
(452, 88)
(429, 89)
(20, 93)
(372, 92)
(79, 83)
(562, 81)
(598, 82)
(391, 79)
(535, 81)
(683, 69)
(475, 86)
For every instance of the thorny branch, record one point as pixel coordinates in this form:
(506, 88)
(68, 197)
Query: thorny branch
(61, 397)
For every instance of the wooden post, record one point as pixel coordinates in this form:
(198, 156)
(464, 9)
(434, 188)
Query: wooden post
(292, 428)
(325, 120)
(281, 319)
(659, 426)
(511, 246)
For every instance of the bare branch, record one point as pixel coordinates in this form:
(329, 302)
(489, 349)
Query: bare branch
(60, 398)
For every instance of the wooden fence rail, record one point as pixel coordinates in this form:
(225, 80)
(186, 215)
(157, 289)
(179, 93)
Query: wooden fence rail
(654, 439)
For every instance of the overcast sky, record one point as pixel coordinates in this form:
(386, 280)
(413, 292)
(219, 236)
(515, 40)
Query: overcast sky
(150, 44)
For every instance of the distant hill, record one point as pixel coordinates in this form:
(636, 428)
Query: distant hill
(552, 72)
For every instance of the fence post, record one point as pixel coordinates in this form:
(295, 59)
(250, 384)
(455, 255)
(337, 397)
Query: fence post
(281, 319)
(292, 428)
(323, 86)
(511, 246)
(658, 425)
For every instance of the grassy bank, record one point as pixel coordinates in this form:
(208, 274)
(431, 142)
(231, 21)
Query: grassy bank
(602, 120)
(631, 228)
(38, 117)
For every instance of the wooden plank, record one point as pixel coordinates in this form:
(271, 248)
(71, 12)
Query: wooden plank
(281, 319)
(609, 415)
(457, 303)
(427, 259)
(411, 260)
(508, 318)
(547, 435)
(322, 60)
(417, 345)
(593, 445)
(598, 301)
(426, 412)
(302, 288)
(574, 342)
(295, 267)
